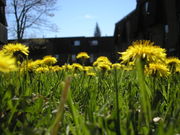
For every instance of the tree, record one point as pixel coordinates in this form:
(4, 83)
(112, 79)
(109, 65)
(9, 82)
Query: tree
(97, 32)
(29, 14)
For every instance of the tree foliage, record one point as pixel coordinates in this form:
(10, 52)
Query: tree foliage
(29, 14)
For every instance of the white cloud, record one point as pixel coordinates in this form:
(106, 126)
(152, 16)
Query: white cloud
(88, 16)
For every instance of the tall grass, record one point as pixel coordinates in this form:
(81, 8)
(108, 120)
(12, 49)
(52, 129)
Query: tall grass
(115, 102)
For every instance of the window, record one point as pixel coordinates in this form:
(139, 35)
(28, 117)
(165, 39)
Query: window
(73, 57)
(166, 28)
(77, 43)
(172, 49)
(1, 14)
(146, 6)
(94, 43)
(56, 56)
(91, 58)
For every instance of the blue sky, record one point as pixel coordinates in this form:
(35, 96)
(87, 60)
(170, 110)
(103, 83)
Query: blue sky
(78, 17)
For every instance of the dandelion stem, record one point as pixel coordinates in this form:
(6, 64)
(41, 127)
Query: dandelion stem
(55, 126)
(118, 131)
(144, 97)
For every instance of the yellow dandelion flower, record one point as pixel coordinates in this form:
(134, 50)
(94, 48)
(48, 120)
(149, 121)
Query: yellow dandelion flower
(117, 66)
(7, 63)
(67, 67)
(157, 69)
(172, 60)
(14, 48)
(87, 68)
(31, 65)
(143, 49)
(42, 69)
(131, 64)
(178, 68)
(55, 68)
(103, 66)
(173, 63)
(38, 62)
(128, 68)
(91, 74)
(82, 55)
(102, 59)
(49, 60)
(77, 66)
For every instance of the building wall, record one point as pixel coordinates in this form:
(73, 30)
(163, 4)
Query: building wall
(3, 23)
(150, 22)
(66, 49)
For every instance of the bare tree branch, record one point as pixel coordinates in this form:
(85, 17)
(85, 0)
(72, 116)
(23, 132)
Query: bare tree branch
(29, 13)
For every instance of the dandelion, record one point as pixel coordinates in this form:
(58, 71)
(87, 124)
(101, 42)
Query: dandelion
(87, 68)
(42, 69)
(49, 60)
(77, 66)
(31, 65)
(172, 60)
(173, 63)
(178, 68)
(55, 68)
(129, 66)
(143, 49)
(91, 74)
(102, 59)
(142, 52)
(103, 66)
(82, 55)
(157, 69)
(11, 49)
(7, 63)
(67, 67)
(38, 62)
(103, 63)
(117, 66)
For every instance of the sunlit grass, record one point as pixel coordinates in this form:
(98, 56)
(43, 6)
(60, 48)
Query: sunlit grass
(105, 99)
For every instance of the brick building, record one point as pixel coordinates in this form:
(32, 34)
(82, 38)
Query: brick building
(66, 49)
(3, 23)
(155, 20)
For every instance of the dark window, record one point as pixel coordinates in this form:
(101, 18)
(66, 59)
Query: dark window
(77, 43)
(146, 7)
(178, 6)
(178, 17)
(56, 56)
(172, 49)
(91, 58)
(166, 28)
(94, 43)
(73, 57)
(1, 14)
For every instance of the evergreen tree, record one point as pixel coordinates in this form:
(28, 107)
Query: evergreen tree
(97, 32)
